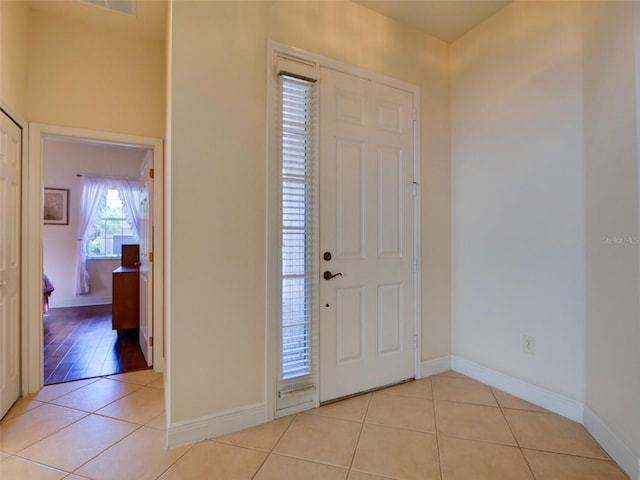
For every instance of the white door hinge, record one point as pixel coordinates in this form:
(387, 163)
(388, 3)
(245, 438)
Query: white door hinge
(415, 265)
(415, 115)
(415, 342)
(415, 188)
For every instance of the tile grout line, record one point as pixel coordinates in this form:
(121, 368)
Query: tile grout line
(5, 419)
(191, 447)
(105, 449)
(88, 414)
(93, 380)
(435, 421)
(40, 464)
(555, 452)
(139, 427)
(52, 433)
(85, 416)
(270, 452)
(364, 421)
(513, 434)
(95, 412)
(573, 455)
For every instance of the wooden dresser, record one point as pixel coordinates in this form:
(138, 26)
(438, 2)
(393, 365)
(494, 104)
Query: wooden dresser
(125, 308)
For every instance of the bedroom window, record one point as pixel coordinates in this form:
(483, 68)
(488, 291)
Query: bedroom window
(111, 230)
(109, 216)
(297, 230)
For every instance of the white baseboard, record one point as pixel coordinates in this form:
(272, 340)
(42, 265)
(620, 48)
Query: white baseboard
(80, 301)
(613, 444)
(567, 407)
(552, 401)
(208, 426)
(435, 366)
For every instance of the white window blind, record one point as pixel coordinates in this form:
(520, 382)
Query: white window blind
(298, 354)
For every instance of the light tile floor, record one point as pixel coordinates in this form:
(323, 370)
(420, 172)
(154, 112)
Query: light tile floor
(446, 427)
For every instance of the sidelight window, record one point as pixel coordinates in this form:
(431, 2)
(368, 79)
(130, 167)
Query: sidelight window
(297, 230)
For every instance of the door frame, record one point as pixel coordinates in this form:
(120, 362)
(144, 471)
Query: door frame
(32, 337)
(275, 49)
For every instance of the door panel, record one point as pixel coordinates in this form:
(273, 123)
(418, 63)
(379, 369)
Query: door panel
(366, 222)
(349, 324)
(10, 188)
(146, 267)
(349, 207)
(390, 316)
(390, 170)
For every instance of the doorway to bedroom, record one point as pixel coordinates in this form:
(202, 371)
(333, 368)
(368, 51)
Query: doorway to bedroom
(91, 216)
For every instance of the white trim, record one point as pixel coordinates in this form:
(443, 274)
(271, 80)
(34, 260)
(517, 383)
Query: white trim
(577, 411)
(273, 50)
(567, 407)
(300, 407)
(435, 366)
(32, 241)
(208, 426)
(417, 234)
(321, 61)
(83, 302)
(612, 443)
(304, 70)
(14, 116)
(271, 215)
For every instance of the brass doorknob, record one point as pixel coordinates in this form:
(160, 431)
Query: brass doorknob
(328, 275)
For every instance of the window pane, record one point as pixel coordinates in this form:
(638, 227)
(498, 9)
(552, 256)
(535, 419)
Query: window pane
(296, 147)
(111, 231)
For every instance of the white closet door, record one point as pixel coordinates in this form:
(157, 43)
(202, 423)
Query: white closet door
(10, 188)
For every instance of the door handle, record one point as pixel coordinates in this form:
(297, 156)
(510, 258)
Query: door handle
(328, 275)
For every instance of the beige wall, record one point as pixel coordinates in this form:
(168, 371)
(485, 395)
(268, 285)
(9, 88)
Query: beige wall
(14, 41)
(610, 39)
(545, 215)
(218, 162)
(88, 76)
(518, 200)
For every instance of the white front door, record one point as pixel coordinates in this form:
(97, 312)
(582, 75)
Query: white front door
(10, 188)
(146, 265)
(367, 228)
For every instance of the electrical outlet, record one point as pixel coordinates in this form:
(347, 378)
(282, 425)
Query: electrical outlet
(529, 345)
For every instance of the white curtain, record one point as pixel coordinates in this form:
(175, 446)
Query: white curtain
(129, 191)
(93, 198)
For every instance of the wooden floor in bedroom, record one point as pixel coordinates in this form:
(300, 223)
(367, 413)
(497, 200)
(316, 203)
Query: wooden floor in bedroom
(79, 343)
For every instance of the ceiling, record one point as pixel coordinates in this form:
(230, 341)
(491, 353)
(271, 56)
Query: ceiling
(447, 20)
(443, 19)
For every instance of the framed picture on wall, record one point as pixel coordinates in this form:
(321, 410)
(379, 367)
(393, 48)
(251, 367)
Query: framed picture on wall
(56, 206)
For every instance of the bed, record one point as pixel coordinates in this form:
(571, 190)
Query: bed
(47, 290)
